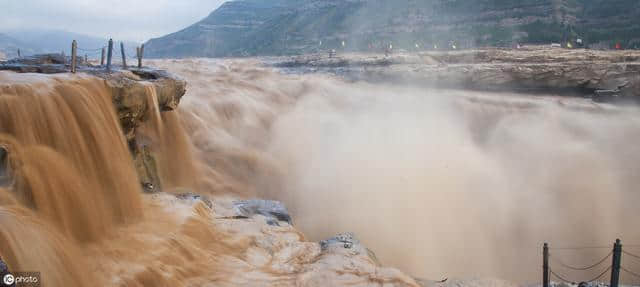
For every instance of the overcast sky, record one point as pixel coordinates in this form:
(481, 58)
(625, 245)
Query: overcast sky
(135, 20)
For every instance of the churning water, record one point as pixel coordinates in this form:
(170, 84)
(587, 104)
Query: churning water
(439, 183)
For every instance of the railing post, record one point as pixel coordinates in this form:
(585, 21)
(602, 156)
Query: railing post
(141, 55)
(615, 266)
(102, 57)
(109, 54)
(124, 58)
(74, 56)
(545, 265)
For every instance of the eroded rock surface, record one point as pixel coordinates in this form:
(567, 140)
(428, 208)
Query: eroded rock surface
(274, 211)
(281, 256)
(3, 268)
(575, 72)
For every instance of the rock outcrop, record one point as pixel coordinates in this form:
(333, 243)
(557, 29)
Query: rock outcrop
(3, 268)
(537, 69)
(280, 252)
(274, 211)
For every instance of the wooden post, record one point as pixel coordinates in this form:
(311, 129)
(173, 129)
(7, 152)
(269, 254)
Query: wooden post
(74, 56)
(109, 54)
(86, 59)
(615, 267)
(138, 57)
(102, 57)
(141, 55)
(545, 265)
(124, 58)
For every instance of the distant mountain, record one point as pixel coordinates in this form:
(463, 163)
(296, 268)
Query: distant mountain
(9, 46)
(262, 27)
(54, 41)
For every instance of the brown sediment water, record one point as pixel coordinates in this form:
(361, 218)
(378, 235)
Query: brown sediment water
(73, 180)
(67, 148)
(164, 134)
(74, 209)
(439, 183)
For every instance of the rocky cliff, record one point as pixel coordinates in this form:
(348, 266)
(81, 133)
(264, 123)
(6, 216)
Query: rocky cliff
(251, 27)
(531, 70)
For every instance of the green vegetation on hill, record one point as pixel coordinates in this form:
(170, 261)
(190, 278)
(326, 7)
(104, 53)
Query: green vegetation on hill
(254, 27)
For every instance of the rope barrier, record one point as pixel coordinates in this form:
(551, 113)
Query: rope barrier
(91, 50)
(631, 254)
(92, 54)
(601, 274)
(591, 247)
(560, 277)
(582, 268)
(630, 272)
(574, 282)
(579, 248)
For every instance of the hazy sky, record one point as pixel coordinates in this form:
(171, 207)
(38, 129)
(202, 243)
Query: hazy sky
(136, 20)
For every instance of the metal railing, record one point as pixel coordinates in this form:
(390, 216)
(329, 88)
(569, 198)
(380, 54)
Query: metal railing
(614, 269)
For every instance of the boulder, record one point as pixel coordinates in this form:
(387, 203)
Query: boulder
(345, 240)
(5, 178)
(190, 196)
(4, 270)
(274, 211)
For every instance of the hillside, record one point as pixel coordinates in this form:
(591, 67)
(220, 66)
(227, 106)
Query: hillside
(9, 46)
(253, 27)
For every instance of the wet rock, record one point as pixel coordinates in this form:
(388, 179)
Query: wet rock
(149, 187)
(4, 269)
(345, 240)
(196, 197)
(146, 166)
(466, 283)
(42, 59)
(274, 211)
(43, 63)
(5, 178)
(131, 99)
(348, 242)
(130, 95)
